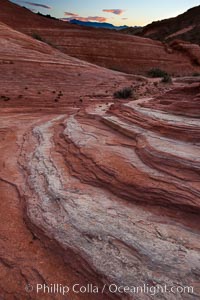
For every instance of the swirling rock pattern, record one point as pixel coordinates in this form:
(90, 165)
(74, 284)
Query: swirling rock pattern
(99, 204)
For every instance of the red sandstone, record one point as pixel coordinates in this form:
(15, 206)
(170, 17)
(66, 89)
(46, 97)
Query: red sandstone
(94, 189)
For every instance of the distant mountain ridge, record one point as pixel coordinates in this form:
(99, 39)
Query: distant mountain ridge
(97, 24)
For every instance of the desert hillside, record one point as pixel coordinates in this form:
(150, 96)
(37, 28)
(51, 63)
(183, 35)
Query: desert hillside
(130, 54)
(37, 71)
(185, 27)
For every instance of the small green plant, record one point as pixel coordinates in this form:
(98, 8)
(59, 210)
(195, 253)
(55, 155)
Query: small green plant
(124, 93)
(156, 73)
(166, 79)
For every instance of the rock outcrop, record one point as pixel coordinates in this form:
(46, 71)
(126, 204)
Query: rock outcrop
(94, 190)
(130, 54)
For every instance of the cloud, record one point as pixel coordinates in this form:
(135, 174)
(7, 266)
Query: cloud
(114, 11)
(37, 4)
(98, 19)
(86, 19)
(124, 18)
(70, 14)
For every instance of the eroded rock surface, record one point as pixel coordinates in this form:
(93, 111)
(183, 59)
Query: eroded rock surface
(120, 197)
(94, 191)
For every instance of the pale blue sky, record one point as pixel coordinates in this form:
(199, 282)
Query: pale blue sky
(134, 12)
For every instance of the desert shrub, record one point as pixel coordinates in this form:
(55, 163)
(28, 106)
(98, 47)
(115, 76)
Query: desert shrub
(124, 93)
(196, 74)
(5, 98)
(166, 79)
(156, 73)
(196, 61)
(37, 37)
(41, 39)
(115, 69)
(46, 16)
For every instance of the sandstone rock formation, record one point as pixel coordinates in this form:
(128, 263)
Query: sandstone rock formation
(106, 48)
(94, 189)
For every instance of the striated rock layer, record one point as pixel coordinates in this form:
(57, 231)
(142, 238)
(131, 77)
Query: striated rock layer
(106, 48)
(94, 190)
(124, 199)
(33, 74)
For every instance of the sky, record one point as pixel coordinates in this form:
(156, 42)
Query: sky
(117, 12)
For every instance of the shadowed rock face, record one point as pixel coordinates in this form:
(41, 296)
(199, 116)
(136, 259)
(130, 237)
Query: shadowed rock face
(106, 48)
(185, 27)
(94, 191)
